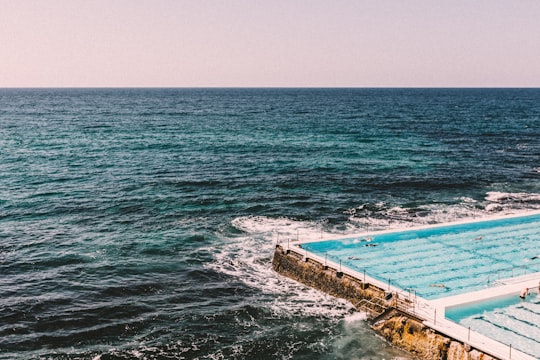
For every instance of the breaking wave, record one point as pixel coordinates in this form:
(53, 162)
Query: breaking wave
(249, 260)
(382, 216)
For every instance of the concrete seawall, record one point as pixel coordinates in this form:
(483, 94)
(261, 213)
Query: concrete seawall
(387, 312)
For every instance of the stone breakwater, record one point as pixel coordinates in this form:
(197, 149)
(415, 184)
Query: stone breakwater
(387, 312)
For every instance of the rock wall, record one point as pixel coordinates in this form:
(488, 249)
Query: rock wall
(315, 275)
(401, 329)
(411, 335)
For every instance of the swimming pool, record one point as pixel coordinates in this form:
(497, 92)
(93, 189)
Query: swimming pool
(508, 319)
(441, 261)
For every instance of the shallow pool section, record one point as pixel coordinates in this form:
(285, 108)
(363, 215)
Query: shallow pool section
(509, 320)
(445, 260)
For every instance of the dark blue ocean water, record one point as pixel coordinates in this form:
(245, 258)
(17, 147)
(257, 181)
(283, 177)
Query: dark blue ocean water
(140, 223)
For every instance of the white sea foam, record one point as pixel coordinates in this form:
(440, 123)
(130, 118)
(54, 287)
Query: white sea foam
(466, 200)
(249, 259)
(355, 317)
(494, 207)
(500, 197)
(137, 354)
(280, 228)
(382, 217)
(396, 217)
(511, 202)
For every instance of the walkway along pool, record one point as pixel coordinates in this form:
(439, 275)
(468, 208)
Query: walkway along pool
(424, 272)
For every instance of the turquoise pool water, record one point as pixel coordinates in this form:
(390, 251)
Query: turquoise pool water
(509, 320)
(460, 312)
(445, 260)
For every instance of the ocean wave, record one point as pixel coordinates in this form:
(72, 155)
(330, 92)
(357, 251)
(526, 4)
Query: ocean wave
(248, 259)
(511, 202)
(281, 228)
(509, 197)
(383, 216)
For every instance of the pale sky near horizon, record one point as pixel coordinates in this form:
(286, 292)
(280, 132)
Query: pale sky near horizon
(277, 43)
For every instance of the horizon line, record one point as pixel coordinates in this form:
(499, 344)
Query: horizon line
(266, 87)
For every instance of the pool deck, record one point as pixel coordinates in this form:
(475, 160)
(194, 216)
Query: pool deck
(433, 311)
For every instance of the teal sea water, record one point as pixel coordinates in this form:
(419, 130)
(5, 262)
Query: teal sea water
(140, 223)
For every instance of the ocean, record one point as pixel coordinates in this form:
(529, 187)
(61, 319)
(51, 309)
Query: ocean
(141, 223)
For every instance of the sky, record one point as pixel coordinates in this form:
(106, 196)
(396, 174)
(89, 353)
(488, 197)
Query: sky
(271, 43)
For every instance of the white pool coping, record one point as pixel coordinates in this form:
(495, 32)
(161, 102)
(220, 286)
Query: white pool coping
(511, 286)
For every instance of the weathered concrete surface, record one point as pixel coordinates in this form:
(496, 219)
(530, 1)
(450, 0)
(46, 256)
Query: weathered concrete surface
(401, 329)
